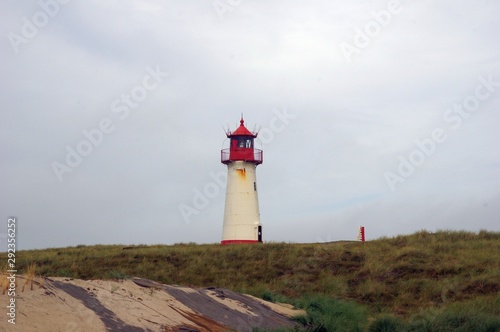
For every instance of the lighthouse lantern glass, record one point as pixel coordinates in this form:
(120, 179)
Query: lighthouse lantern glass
(242, 148)
(242, 142)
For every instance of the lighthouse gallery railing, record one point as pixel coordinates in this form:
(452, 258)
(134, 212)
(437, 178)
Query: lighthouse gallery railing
(256, 156)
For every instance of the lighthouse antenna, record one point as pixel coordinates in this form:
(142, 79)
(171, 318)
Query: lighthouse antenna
(256, 132)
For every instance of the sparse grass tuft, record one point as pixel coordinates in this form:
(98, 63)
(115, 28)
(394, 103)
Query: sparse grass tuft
(117, 275)
(4, 282)
(30, 276)
(114, 288)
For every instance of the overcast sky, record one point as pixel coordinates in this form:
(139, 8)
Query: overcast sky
(373, 113)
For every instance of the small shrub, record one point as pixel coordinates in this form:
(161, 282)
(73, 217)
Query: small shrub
(329, 314)
(118, 275)
(268, 296)
(271, 297)
(453, 321)
(386, 324)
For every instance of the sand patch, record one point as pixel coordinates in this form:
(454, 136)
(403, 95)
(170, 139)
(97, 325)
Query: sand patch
(63, 304)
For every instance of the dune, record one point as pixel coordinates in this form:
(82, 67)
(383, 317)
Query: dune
(64, 304)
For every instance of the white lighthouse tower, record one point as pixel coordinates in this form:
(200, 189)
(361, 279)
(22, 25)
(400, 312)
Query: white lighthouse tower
(241, 213)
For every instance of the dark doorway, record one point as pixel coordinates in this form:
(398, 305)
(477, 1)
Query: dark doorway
(259, 233)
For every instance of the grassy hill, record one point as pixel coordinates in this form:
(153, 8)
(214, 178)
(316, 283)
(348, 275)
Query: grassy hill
(421, 282)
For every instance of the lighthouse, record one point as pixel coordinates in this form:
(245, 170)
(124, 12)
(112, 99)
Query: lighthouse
(241, 211)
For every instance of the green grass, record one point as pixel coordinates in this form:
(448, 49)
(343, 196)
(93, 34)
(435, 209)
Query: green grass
(421, 282)
(330, 314)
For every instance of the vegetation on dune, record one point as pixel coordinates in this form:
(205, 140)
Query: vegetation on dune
(444, 281)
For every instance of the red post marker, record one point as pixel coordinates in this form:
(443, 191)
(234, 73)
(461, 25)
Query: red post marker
(361, 234)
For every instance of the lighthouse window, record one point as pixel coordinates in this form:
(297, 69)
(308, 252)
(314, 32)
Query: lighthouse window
(244, 142)
(255, 186)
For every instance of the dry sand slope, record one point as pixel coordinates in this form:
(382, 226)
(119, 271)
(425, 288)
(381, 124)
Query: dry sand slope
(72, 305)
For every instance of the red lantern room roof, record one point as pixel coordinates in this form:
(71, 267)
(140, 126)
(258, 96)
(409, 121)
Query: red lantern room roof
(241, 130)
(241, 146)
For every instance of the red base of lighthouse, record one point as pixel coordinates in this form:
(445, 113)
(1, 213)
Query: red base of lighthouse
(238, 241)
